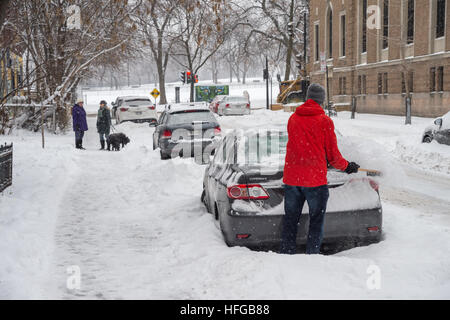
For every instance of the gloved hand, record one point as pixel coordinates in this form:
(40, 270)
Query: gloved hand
(77, 128)
(352, 168)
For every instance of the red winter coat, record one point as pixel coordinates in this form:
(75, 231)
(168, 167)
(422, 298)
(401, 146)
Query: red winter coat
(312, 142)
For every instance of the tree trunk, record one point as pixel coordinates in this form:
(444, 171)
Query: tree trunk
(290, 44)
(162, 85)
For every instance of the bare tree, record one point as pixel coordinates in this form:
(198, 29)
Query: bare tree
(63, 56)
(155, 24)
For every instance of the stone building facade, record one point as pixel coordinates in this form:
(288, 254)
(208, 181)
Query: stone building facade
(380, 51)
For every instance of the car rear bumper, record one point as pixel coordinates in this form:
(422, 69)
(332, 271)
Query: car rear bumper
(266, 230)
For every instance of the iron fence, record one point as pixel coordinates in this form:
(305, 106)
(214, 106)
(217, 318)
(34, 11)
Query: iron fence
(6, 164)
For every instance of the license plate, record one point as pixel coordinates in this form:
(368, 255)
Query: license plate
(139, 112)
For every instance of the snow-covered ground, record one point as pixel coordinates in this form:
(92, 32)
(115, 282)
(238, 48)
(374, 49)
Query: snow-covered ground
(136, 228)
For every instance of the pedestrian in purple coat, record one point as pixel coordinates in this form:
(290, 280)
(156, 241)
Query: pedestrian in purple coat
(79, 123)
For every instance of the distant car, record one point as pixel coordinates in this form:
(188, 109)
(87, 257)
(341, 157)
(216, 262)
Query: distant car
(439, 131)
(185, 132)
(233, 106)
(214, 105)
(135, 109)
(243, 189)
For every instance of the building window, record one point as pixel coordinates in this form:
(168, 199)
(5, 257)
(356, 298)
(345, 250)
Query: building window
(440, 79)
(330, 33)
(342, 86)
(410, 82)
(380, 83)
(385, 83)
(343, 31)
(433, 79)
(364, 88)
(359, 84)
(440, 18)
(410, 35)
(364, 27)
(316, 39)
(385, 24)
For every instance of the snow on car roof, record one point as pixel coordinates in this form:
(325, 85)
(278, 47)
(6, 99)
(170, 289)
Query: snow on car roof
(127, 98)
(180, 107)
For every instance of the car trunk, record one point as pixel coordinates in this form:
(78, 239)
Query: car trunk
(138, 110)
(346, 192)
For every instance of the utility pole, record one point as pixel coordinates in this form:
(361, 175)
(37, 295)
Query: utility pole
(304, 43)
(266, 73)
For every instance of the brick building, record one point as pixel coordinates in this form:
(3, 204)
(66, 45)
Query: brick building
(379, 50)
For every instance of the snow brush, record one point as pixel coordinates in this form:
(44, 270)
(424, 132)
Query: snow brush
(371, 173)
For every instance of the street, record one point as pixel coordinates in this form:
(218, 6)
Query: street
(133, 227)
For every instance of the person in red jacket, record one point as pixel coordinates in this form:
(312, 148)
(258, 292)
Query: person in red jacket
(312, 145)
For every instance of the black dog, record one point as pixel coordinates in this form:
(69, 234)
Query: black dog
(117, 139)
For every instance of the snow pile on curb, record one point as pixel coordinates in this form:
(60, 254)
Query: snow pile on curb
(28, 214)
(431, 157)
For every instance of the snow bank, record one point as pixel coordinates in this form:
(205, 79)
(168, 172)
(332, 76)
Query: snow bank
(28, 213)
(432, 156)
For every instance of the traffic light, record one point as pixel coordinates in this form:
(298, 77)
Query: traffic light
(196, 78)
(265, 74)
(183, 77)
(188, 77)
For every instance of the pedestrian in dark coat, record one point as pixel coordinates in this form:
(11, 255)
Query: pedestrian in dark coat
(312, 145)
(103, 123)
(80, 125)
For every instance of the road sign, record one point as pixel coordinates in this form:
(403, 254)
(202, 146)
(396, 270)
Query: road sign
(155, 93)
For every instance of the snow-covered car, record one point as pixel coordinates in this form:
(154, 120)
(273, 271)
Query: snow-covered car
(135, 109)
(214, 105)
(243, 189)
(188, 131)
(439, 131)
(233, 106)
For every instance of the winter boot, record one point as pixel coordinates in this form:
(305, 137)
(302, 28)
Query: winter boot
(77, 144)
(81, 145)
(102, 143)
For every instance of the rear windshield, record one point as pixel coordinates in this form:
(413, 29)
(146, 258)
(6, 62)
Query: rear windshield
(188, 117)
(138, 102)
(264, 147)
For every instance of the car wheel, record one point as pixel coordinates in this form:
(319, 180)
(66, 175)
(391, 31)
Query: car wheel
(427, 139)
(163, 156)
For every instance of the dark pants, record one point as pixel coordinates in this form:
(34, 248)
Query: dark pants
(294, 199)
(79, 138)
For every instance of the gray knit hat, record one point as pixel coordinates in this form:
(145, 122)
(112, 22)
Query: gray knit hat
(316, 92)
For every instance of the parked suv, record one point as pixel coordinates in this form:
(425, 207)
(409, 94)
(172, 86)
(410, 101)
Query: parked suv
(439, 131)
(135, 109)
(185, 132)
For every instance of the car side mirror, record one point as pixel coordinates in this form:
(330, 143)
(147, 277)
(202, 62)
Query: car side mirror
(438, 122)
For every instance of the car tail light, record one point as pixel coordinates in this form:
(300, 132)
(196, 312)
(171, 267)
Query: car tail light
(217, 130)
(373, 229)
(227, 105)
(247, 192)
(152, 108)
(167, 134)
(242, 236)
(248, 105)
(375, 186)
(124, 109)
